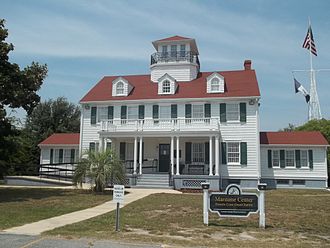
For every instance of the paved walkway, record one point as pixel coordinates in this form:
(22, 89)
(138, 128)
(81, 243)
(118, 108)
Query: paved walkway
(38, 227)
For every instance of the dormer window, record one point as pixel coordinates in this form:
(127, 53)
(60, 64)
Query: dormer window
(120, 88)
(166, 86)
(215, 83)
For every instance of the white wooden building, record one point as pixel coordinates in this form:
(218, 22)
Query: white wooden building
(178, 126)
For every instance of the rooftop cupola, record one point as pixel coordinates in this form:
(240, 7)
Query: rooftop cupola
(177, 56)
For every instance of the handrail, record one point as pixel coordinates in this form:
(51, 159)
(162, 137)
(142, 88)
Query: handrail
(174, 56)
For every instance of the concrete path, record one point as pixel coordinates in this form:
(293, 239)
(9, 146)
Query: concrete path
(38, 227)
(27, 241)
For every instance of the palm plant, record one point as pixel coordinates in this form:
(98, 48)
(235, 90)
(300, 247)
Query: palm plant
(101, 168)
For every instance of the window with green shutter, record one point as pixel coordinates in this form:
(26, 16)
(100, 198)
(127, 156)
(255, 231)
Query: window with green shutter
(242, 112)
(297, 156)
(123, 112)
(282, 158)
(110, 112)
(223, 117)
(141, 112)
(188, 110)
(72, 155)
(51, 156)
(155, 111)
(207, 152)
(207, 110)
(174, 111)
(310, 157)
(122, 150)
(60, 156)
(188, 152)
(243, 153)
(269, 158)
(93, 115)
(223, 153)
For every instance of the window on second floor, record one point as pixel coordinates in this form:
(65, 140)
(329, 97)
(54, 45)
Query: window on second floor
(165, 112)
(166, 87)
(132, 112)
(232, 112)
(198, 111)
(102, 114)
(120, 88)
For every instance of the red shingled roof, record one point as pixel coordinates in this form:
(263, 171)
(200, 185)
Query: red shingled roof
(293, 138)
(237, 84)
(173, 38)
(62, 139)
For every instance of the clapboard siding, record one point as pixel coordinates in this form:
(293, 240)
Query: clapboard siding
(319, 164)
(181, 72)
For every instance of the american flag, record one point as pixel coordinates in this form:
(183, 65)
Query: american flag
(309, 41)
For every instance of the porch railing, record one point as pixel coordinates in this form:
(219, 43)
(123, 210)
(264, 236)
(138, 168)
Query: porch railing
(174, 56)
(203, 124)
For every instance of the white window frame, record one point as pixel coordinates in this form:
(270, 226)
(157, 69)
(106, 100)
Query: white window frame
(301, 159)
(232, 110)
(238, 158)
(166, 89)
(198, 153)
(120, 88)
(197, 111)
(287, 159)
(102, 113)
(215, 84)
(67, 156)
(274, 165)
(133, 112)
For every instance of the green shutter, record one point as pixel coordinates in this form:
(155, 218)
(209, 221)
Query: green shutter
(243, 153)
(188, 110)
(51, 160)
(155, 111)
(110, 112)
(242, 112)
(207, 110)
(93, 115)
(122, 150)
(141, 111)
(123, 112)
(297, 155)
(92, 147)
(188, 152)
(270, 162)
(282, 158)
(223, 117)
(174, 111)
(310, 156)
(60, 156)
(72, 155)
(207, 153)
(223, 153)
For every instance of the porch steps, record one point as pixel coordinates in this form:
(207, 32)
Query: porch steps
(153, 181)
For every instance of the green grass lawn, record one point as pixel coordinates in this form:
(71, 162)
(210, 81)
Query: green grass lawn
(19, 206)
(294, 218)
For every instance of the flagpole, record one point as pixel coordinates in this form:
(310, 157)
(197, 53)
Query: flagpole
(311, 69)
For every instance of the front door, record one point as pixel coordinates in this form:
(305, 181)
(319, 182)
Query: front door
(164, 157)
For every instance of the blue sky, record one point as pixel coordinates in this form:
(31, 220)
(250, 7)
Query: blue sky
(82, 41)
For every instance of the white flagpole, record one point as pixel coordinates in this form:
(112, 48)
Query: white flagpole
(310, 114)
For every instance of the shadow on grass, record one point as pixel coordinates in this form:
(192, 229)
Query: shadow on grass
(25, 194)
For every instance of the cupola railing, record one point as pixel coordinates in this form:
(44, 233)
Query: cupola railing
(180, 56)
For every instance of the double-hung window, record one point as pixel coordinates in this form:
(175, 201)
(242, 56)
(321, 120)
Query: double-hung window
(165, 112)
(198, 111)
(102, 113)
(198, 152)
(132, 112)
(304, 158)
(67, 155)
(233, 152)
(215, 85)
(232, 112)
(120, 88)
(182, 51)
(289, 158)
(276, 158)
(173, 51)
(166, 86)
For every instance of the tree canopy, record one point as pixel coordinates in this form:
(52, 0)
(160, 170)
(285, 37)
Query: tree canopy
(18, 88)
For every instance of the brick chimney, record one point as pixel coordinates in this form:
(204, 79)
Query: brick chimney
(247, 64)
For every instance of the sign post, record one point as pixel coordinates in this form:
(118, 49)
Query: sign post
(118, 197)
(262, 215)
(205, 187)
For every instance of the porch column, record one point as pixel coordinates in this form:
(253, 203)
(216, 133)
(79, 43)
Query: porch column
(101, 144)
(135, 155)
(140, 157)
(211, 157)
(177, 156)
(172, 155)
(216, 155)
